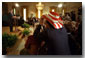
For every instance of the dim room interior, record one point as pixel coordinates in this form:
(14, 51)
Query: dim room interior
(25, 19)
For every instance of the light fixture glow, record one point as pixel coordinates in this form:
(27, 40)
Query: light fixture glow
(17, 5)
(53, 10)
(24, 14)
(63, 12)
(60, 5)
(38, 13)
(39, 6)
(40, 3)
(14, 11)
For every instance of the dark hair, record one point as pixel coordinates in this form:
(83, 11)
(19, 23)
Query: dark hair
(51, 26)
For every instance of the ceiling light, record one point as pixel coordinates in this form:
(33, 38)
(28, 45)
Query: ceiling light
(53, 10)
(60, 5)
(17, 5)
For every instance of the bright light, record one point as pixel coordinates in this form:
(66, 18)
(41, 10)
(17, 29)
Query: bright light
(60, 5)
(39, 3)
(14, 11)
(17, 5)
(63, 12)
(39, 6)
(24, 14)
(38, 13)
(53, 10)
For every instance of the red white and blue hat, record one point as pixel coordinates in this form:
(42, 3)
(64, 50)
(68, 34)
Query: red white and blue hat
(54, 19)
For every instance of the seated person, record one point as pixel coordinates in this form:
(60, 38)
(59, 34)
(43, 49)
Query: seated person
(54, 36)
(31, 47)
(39, 28)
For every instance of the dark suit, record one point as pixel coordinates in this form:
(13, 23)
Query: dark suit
(10, 21)
(56, 41)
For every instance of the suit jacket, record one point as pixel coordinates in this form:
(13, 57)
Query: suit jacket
(10, 18)
(56, 41)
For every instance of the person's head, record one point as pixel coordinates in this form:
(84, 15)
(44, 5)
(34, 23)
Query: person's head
(67, 14)
(53, 20)
(11, 10)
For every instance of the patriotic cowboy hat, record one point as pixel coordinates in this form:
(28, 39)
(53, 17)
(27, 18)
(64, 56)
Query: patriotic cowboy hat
(54, 19)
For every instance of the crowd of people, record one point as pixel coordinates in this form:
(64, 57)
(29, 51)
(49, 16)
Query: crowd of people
(54, 35)
(65, 39)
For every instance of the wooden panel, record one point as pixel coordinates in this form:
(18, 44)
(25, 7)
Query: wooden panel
(4, 8)
(41, 12)
(22, 7)
(36, 13)
(13, 9)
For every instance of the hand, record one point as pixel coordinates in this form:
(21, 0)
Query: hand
(18, 17)
(14, 17)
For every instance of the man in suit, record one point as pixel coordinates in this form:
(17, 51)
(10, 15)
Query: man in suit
(11, 19)
(54, 36)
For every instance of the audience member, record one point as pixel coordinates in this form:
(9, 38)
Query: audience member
(55, 36)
